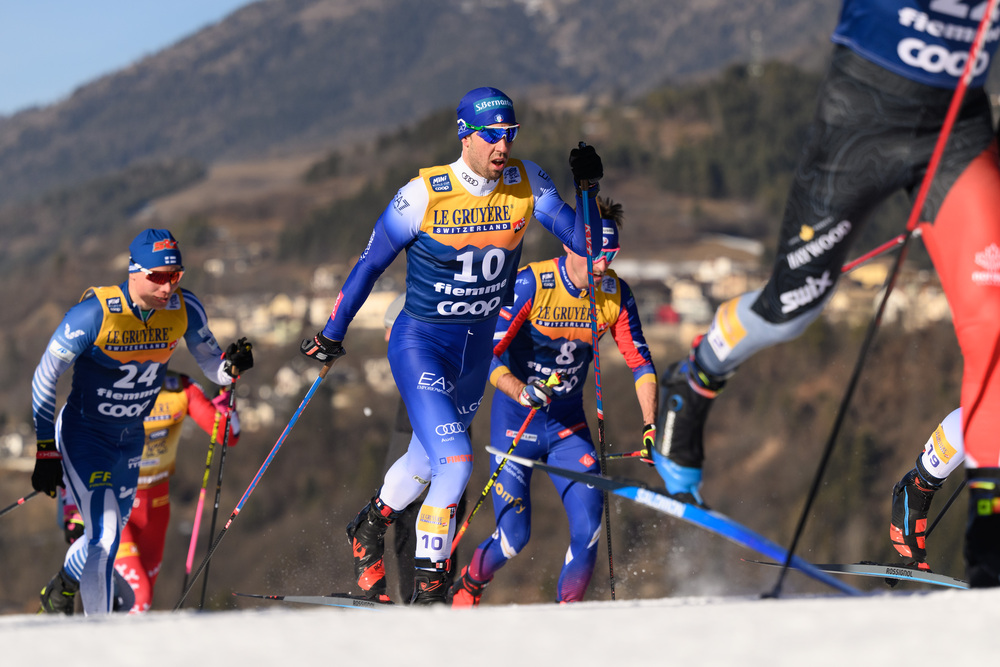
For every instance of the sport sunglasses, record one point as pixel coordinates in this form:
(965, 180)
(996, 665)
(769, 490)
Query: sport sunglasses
(163, 277)
(608, 255)
(495, 134)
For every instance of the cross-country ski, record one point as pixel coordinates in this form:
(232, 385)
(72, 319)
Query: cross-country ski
(710, 520)
(332, 600)
(893, 573)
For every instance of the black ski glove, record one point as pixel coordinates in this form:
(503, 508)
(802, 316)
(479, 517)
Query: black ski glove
(648, 442)
(322, 348)
(586, 165)
(238, 357)
(48, 474)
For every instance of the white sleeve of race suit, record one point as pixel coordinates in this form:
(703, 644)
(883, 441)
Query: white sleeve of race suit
(945, 449)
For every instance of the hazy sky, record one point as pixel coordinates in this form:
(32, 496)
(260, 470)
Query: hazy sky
(50, 47)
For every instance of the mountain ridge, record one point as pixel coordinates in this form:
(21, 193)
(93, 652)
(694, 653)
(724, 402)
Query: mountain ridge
(281, 76)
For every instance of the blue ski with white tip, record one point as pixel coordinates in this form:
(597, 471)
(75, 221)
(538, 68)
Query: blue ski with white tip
(710, 520)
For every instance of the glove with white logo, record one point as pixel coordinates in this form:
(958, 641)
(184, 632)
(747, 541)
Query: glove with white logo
(586, 166)
(536, 394)
(238, 357)
(322, 348)
(48, 472)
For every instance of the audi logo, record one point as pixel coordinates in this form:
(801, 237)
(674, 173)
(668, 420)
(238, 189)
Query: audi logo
(450, 429)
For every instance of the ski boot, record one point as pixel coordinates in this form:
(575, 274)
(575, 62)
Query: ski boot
(982, 534)
(59, 595)
(367, 536)
(911, 501)
(466, 592)
(430, 582)
(686, 394)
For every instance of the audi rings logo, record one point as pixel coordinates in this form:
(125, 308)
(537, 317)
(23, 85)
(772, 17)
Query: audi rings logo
(463, 308)
(450, 429)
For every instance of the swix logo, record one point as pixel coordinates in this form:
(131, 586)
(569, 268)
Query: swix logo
(165, 244)
(73, 334)
(803, 296)
(989, 259)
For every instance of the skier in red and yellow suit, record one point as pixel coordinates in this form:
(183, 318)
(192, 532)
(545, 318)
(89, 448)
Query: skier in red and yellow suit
(140, 553)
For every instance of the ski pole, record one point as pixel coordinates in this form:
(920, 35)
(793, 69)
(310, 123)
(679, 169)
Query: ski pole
(593, 238)
(218, 484)
(944, 509)
(911, 225)
(554, 380)
(196, 528)
(19, 502)
(637, 454)
(892, 243)
(256, 479)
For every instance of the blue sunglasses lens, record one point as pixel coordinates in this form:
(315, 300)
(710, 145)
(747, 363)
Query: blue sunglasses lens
(608, 255)
(495, 134)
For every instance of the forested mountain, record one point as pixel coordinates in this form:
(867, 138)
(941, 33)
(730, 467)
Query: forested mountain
(290, 75)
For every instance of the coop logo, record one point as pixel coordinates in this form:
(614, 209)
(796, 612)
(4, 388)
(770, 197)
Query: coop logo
(450, 429)
(936, 59)
(449, 308)
(120, 411)
(808, 293)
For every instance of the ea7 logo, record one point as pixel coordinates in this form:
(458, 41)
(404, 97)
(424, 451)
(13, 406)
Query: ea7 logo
(435, 382)
(73, 334)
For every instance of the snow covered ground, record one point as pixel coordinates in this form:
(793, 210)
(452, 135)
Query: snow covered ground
(884, 629)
